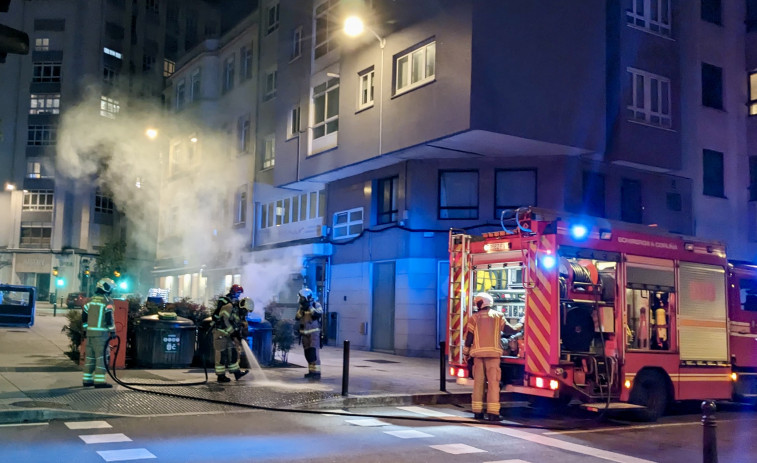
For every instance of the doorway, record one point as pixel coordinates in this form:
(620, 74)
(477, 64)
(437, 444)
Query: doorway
(382, 318)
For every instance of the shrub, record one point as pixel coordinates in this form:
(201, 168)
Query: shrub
(283, 338)
(187, 309)
(74, 329)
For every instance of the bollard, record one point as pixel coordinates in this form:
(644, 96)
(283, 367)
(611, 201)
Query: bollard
(346, 368)
(442, 366)
(709, 433)
(55, 309)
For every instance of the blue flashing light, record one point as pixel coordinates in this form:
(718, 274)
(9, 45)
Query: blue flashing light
(579, 231)
(548, 261)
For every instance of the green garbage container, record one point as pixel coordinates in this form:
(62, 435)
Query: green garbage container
(165, 341)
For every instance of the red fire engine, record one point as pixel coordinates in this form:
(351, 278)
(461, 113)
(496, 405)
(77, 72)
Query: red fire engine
(742, 312)
(614, 315)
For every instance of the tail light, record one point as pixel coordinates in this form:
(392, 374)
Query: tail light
(458, 372)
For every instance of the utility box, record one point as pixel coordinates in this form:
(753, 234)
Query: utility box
(17, 305)
(165, 340)
(121, 321)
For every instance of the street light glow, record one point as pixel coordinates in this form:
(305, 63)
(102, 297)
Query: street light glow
(151, 133)
(353, 26)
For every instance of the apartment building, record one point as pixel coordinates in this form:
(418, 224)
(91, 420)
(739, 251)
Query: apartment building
(103, 58)
(443, 113)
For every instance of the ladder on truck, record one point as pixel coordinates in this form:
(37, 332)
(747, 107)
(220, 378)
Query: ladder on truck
(459, 284)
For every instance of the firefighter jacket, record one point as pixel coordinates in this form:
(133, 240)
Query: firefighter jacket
(97, 315)
(226, 318)
(484, 330)
(309, 315)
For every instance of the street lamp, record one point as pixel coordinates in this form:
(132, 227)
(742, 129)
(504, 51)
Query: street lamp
(151, 133)
(353, 27)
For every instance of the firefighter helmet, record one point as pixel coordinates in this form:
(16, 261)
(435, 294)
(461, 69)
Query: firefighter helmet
(246, 304)
(306, 293)
(483, 300)
(106, 285)
(236, 289)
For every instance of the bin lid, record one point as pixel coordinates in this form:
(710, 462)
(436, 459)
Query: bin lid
(156, 320)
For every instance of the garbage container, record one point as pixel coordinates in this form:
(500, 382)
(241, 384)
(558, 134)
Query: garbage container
(259, 339)
(165, 340)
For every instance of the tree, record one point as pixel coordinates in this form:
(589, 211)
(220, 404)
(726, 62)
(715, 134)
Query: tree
(110, 260)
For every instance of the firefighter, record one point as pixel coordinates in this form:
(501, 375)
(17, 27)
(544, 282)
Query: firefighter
(97, 321)
(309, 317)
(482, 342)
(225, 325)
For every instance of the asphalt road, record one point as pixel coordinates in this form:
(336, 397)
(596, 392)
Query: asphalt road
(450, 436)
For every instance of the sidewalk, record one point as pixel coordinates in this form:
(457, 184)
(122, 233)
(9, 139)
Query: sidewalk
(39, 382)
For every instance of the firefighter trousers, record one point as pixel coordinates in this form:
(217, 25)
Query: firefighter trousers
(227, 353)
(486, 375)
(94, 362)
(312, 344)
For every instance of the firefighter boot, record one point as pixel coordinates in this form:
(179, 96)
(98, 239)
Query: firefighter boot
(103, 386)
(239, 373)
(493, 417)
(478, 416)
(223, 378)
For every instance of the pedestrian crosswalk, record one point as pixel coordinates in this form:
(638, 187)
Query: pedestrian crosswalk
(132, 454)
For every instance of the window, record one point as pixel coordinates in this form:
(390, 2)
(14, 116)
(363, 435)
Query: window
(650, 99)
(112, 53)
(46, 72)
(269, 153)
(169, 67)
(293, 127)
(44, 103)
(33, 169)
(228, 74)
(297, 208)
(674, 202)
(110, 75)
(180, 90)
(650, 291)
(386, 200)
(712, 11)
(42, 44)
(752, 93)
(103, 203)
(272, 18)
(109, 107)
(593, 198)
(513, 189)
(458, 194)
(415, 68)
(650, 15)
(35, 236)
(347, 224)
(326, 28)
(365, 99)
(296, 43)
(270, 85)
(326, 108)
(240, 206)
(712, 86)
(41, 135)
(148, 63)
(752, 178)
(751, 15)
(194, 89)
(630, 201)
(152, 6)
(712, 174)
(38, 200)
(245, 61)
(243, 131)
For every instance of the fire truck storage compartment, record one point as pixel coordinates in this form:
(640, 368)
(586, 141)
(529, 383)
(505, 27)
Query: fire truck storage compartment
(702, 313)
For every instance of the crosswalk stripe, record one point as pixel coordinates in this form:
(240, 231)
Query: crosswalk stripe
(457, 449)
(408, 434)
(368, 422)
(508, 461)
(104, 438)
(424, 411)
(87, 424)
(125, 454)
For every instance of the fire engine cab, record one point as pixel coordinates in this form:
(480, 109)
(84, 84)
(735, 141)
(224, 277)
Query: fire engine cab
(614, 315)
(742, 306)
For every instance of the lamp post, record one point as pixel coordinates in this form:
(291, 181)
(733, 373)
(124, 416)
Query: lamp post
(353, 27)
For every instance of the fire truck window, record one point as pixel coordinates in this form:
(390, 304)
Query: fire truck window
(649, 298)
(748, 292)
(505, 284)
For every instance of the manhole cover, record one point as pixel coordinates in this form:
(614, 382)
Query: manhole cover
(382, 361)
(39, 404)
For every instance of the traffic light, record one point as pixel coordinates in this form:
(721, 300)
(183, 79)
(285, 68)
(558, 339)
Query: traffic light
(55, 271)
(117, 272)
(12, 40)
(60, 282)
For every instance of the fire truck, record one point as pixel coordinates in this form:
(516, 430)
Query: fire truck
(615, 315)
(742, 312)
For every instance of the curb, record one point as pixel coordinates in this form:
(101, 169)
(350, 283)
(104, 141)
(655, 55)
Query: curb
(391, 400)
(38, 415)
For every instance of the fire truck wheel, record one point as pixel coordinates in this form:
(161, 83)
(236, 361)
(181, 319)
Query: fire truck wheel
(649, 390)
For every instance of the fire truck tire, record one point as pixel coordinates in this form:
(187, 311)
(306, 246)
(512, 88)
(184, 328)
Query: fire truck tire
(649, 390)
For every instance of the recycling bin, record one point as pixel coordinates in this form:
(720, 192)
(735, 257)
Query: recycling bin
(165, 340)
(260, 340)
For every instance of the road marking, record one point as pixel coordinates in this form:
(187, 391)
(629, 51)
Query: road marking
(408, 434)
(508, 461)
(104, 438)
(22, 424)
(569, 446)
(87, 424)
(126, 454)
(457, 449)
(424, 411)
(368, 422)
(640, 426)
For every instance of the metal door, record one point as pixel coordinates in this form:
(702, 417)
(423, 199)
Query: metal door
(382, 319)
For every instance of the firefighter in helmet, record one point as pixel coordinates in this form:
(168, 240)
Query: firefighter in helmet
(309, 318)
(97, 321)
(482, 342)
(226, 323)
